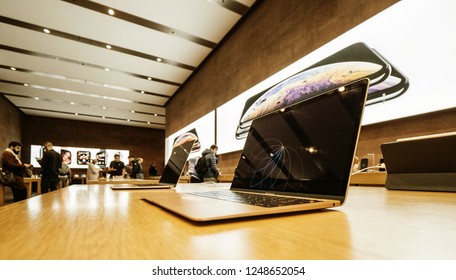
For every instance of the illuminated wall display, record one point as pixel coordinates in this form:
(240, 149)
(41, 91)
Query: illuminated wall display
(410, 67)
(204, 129)
(80, 157)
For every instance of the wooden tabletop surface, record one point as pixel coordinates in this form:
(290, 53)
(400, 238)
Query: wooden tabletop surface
(95, 222)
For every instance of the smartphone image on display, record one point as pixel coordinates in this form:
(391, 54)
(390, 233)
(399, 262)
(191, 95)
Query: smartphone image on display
(396, 84)
(190, 135)
(354, 62)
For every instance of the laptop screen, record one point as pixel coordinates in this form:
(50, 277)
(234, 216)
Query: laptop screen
(176, 162)
(307, 148)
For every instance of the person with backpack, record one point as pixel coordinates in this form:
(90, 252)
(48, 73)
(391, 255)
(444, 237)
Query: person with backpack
(206, 166)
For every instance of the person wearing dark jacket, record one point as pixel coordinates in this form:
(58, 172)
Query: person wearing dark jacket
(137, 170)
(50, 164)
(12, 163)
(211, 162)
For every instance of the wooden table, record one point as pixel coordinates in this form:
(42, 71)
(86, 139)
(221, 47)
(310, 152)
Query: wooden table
(121, 181)
(95, 222)
(28, 183)
(368, 178)
(78, 180)
(2, 194)
(225, 178)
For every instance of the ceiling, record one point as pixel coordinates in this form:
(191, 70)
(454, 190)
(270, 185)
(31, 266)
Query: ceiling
(119, 69)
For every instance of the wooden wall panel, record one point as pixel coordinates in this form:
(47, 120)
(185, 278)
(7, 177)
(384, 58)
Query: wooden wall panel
(10, 123)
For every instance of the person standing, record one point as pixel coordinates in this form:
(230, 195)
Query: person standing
(12, 163)
(117, 167)
(129, 166)
(152, 169)
(50, 164)
(137, 170)
(211, 162)
(93, 170)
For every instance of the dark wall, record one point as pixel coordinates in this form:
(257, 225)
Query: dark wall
(141, 142)
(273, 36)
(10, 123)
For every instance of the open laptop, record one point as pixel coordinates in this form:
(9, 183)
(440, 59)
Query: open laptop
(171, 173)
(295, 159)
(424, 163)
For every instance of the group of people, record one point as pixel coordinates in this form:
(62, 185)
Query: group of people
(51, 166)
(117, 168)
(50, 163)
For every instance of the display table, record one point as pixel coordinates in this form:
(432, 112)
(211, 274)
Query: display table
(96, 222)
(368, 178)
(78, 180)
(2, 194)
(29, 183)
(103, 181)
(225, 178)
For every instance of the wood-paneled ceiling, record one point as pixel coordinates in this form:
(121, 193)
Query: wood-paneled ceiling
(107, 61)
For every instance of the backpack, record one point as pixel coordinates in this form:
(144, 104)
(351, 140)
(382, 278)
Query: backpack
(64, 169)
(201, 166)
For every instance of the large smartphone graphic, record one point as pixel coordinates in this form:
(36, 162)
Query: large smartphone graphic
(188, 136)
(351, 63)
(394, 85)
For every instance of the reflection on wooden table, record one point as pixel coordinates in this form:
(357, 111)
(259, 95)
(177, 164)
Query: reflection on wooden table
(96, 222)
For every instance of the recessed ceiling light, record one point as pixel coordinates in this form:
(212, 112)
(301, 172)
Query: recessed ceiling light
(142, 91)
(132, 111)
(47, 31)
(26, 85)
(72, 103)
(149, 78)
(12, 68)
(104, 117)
(108, 46)
(128, 120)
(111, 12)
(155, 114)
(36, 98)
(159, 59)
(148, 122)
(104, 107)
(105, 85)
(76, 114)
(106, 69)
(341, 89)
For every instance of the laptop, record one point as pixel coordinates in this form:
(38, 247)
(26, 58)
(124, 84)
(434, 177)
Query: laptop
(296, 159)
(424, 163)
(171, 173)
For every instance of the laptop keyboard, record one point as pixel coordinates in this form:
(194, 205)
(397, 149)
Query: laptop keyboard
(256, 199)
